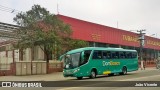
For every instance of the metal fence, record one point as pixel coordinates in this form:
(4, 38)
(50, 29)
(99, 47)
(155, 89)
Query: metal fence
(158, 65)
(5, 66)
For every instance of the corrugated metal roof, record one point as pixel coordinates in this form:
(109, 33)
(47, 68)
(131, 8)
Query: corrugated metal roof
(89, 31)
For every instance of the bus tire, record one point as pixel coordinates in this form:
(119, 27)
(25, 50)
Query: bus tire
(112, 74)
(93, 73)
(124, 71)
(79, 78)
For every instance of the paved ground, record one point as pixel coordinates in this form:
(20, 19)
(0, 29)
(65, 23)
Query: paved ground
(150, 74)
(47, 77)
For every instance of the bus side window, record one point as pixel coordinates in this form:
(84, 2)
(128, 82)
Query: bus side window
(86, 55)
(117, 55)
(109, 55)
(129, 55)
(97, 55)
(134, 54)
(113, 55)
(104, 55)
(125, 55)
(121, 55)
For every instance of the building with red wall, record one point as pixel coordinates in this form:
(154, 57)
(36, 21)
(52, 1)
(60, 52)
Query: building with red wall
(97, 35)
(105, 36)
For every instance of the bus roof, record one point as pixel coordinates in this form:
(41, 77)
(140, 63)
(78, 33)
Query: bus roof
(99, 48)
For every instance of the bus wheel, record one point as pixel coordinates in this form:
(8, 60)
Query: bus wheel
(112, 74)
(79, 78)
(93, 74)
(124, 71)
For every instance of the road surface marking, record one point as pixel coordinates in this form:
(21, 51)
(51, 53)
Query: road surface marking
(138, 78)
(103, 82)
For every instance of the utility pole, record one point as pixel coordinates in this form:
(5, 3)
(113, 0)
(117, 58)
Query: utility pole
(57, 9)
(117, 24)
(142, 43)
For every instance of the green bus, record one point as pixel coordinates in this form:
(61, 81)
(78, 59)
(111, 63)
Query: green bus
(93, 61)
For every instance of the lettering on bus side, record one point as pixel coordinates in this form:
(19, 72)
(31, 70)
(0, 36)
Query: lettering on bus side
(111, 63)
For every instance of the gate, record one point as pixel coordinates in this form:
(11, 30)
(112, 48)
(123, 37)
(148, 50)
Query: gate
(7, 69)
(30, 68)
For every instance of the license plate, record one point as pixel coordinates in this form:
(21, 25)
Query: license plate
(68, 72)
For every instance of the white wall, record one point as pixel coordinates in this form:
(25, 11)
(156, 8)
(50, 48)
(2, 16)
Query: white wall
(27, 55)
(40, 54)
(6, 60)
(16, 55)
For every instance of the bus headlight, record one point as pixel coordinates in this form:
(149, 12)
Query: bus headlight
(76, 70)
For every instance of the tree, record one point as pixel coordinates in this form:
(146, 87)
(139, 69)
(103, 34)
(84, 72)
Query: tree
(46, 30)
(78, 44)
(71, 44)
(41, 28)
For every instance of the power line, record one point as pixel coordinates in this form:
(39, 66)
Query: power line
(7, 9)
(7, 31)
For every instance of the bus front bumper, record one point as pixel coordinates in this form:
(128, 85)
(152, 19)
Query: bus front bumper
(71, 73)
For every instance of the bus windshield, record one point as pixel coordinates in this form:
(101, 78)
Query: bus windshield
(72, 60)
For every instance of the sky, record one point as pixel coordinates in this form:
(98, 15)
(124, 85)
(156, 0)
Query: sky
(123, 14)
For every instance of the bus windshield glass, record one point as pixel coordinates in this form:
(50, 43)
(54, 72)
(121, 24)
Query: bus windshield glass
(72, 61)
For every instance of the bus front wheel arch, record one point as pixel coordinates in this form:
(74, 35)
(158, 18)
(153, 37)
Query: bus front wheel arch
(93, 73)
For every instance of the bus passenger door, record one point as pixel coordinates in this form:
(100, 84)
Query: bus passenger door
(85, 56)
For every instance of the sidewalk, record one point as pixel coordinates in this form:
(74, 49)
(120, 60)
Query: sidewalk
(147, 69)
(57, 76)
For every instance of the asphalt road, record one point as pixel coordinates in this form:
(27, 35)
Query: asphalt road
(132, 77)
